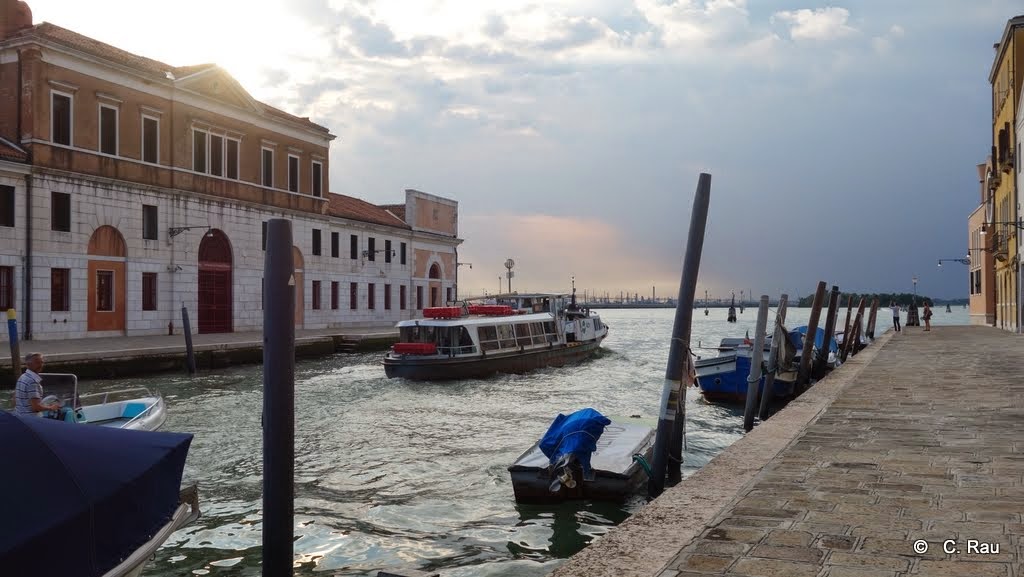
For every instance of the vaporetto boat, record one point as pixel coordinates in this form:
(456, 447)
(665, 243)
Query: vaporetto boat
(509, 333)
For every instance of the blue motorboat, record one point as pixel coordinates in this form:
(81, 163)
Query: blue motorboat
(88, 501)
(798, 335)
(724, 378)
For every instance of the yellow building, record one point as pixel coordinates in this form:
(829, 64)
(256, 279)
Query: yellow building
(1005, 79)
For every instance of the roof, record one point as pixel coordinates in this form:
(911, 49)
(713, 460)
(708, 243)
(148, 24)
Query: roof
(11, 151)
(395, 209)
(1011, 24)
(154, 68)
(478, 320)
(354, 209)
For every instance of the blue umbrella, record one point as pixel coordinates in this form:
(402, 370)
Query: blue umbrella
(78, 499)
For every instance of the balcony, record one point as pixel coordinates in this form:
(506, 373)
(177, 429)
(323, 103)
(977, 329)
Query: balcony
(1000, 246)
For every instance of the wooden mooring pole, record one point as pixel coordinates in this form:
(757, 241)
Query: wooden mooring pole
(804, 376)
(12, 335)
(756, 356)
(871, 319)
(278, 401)
(668, 444)
(846, 327)
(778, 336)
(858, 326)
(821, 363)
(186, 327)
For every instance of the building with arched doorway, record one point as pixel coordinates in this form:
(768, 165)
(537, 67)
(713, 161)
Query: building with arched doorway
(130, 189)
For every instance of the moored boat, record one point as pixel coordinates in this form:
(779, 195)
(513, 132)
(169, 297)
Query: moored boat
(135, 408)
(515, 333)
(584, 455)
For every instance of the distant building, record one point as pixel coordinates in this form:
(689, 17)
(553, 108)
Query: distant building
(1005, 80)
(981, 273)
(130, 188)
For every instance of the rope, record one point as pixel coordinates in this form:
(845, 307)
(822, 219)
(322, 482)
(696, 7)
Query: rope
(643, 463)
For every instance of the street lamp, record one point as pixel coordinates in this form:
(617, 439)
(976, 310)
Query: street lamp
(509, 264)
(914, 280)
(966, 261)
(457, 265)
(176, 230)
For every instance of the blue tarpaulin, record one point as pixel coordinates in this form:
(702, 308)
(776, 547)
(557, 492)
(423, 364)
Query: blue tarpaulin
(575, 434)
(797, 337)
(78, 499)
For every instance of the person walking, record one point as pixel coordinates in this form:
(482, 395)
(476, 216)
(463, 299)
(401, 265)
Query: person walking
(927, 316)
(895, 315)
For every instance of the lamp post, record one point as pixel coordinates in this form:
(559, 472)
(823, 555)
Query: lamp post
(914, 280)
(509, 264)
(966, 261)
(457, 265)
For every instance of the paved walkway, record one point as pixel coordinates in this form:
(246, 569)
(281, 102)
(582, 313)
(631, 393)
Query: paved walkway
(921, 436)
(112, 347)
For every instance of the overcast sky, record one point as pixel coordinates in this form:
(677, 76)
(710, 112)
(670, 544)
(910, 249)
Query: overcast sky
(842, 138)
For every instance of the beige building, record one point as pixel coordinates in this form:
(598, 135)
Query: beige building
(130, 188)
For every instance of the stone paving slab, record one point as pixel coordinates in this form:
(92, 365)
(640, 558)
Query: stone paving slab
(919, 437)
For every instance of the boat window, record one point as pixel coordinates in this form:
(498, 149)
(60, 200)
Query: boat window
(465, 340)
(549, 327)
(507, 336)
(488, 337)
(523, 334)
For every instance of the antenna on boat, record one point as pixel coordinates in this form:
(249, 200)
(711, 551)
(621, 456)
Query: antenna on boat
(572, 302)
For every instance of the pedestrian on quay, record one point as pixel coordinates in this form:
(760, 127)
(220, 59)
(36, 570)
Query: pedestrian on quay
(927, 316)
(895, 308)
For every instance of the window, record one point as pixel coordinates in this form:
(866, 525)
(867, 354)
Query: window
(105, 290)
(335, 289)
(149, 291)
(353, 246)
(335, 244)
(371, 293)
(448, 295)
(108, 130)
(401, 253)
(401, 297)
(316, 241)
(318, 178)
(6, 288)
(199, 150)
(264, 235)
(60, 118)
(231, 145)
(370, 246)
(353, 295)
(387, 251)
(6, 205)
(387, 297)
(216, 155)
(316, 295)
(419, 298)
(293, 173)
(60, 288)
(149, 223)
(268, 167)
(60, 211)
(150, 140)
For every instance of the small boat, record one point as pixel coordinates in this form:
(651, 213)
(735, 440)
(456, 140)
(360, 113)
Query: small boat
(518, 333)
(91, 501)
(724, 378)
(732, 311)
(135, 408)
(948, 309)
(584, 455)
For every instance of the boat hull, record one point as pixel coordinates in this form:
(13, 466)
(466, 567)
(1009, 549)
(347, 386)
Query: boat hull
(725, 379)
(441, 369)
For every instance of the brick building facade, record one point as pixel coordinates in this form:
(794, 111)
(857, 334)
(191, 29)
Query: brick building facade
(130, 188)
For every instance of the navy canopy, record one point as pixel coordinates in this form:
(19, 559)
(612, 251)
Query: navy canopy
(577, 434)
(78, 499)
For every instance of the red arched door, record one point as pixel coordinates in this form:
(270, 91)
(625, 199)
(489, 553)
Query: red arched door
(107, 253)
(215, 310)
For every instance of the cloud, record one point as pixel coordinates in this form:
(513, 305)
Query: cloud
(816, 24)
(883, 44)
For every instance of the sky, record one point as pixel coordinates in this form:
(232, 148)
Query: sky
(842, 138)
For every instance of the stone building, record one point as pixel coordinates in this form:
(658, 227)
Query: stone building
(130, 188)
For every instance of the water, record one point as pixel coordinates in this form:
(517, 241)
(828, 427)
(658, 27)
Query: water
(392, 474)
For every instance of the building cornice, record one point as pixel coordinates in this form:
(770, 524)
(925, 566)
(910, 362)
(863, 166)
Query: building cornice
(1011, 24)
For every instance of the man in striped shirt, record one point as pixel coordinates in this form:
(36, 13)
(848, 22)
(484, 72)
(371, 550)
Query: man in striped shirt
(28, 394)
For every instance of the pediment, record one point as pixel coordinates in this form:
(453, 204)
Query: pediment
(215, 83)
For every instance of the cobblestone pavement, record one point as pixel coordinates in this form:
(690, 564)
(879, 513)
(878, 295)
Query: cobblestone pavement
(926, 443)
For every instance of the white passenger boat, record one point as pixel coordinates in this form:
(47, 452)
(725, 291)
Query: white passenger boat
(514, 334)
(135, 408)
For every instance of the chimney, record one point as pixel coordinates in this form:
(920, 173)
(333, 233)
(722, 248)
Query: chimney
(15, 15)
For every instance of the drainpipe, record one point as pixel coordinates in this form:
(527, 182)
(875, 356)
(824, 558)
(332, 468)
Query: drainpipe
(27, 334)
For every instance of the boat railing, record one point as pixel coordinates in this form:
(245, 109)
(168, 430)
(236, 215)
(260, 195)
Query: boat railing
(105, 395)
(452, 351)
(142, 413)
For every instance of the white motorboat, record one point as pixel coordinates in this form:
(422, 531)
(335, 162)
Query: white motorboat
(135, 408)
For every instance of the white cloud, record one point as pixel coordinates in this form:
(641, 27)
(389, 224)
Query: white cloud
(817, 24)
(883, 44)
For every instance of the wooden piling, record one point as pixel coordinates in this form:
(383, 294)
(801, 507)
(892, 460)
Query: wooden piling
(858, 326)
(871, 319)
(821, 363)
(804, 376)
(186, 327)
(756, 356)
(668, 442)
(778, 336)
(846, 328)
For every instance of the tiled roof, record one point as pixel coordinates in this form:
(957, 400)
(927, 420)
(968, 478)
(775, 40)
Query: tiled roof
(157, 69)
(395, 209)
(354, 209)
(11, 151)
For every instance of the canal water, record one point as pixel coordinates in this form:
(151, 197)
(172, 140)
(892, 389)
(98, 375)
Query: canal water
(395, 474)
